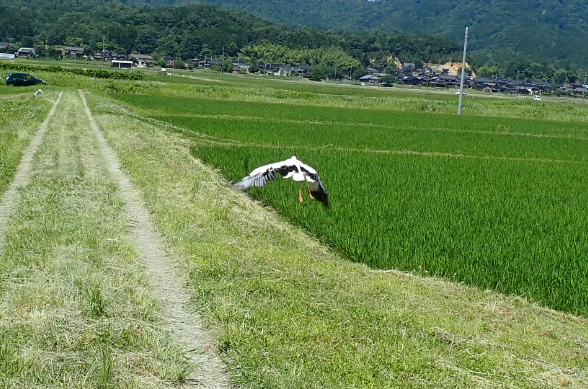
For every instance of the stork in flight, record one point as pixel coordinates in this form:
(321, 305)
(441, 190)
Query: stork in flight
(290, 168)
(37, 93)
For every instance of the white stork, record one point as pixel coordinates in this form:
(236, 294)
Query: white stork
(37, 93)
(290, 168)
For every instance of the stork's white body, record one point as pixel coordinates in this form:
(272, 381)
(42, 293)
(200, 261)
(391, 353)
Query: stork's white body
(290, 168)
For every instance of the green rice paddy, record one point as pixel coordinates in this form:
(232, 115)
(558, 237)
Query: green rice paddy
(495, 202)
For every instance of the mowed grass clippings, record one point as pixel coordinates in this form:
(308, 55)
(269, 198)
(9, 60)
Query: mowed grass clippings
(20, 118)
(289, 313)
(76, 309)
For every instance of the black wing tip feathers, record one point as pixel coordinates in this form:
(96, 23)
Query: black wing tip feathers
(321, 196)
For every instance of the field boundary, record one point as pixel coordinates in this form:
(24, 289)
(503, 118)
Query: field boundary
(22, 174)
(373, 125)
(185, 325)
(204, 138)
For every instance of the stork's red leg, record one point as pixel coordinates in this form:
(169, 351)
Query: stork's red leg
(308, 187)
(300, 193)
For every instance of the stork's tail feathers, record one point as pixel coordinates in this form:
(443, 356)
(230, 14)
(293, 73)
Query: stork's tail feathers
(322, 197)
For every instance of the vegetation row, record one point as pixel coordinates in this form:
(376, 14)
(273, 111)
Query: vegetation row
(96, 73)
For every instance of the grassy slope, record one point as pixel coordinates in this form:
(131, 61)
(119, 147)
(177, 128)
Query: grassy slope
(76, 309)
(289, 313)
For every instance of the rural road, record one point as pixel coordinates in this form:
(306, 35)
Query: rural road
(186, 326)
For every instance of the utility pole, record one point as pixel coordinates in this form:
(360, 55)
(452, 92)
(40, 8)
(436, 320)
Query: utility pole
(103, 50)
(351, 74)
(223, 62)
(463, 61)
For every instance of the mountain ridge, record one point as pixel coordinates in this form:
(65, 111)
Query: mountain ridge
(541, 30)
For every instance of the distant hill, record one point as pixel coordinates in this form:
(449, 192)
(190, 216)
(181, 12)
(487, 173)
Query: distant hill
(552, 31)
(200, 30)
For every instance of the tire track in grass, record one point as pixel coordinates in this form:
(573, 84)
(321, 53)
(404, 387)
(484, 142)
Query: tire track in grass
(22, 174)
(185, 325)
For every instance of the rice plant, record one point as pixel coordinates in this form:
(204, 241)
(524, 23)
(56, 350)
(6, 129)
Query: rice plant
(495, 202)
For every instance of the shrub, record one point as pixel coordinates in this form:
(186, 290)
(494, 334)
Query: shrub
(97, 73)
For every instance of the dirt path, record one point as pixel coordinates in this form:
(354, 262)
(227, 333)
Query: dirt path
(23, 172)
(184, 324)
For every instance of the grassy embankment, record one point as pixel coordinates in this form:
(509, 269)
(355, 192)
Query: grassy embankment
(76, 308)
(288, 312)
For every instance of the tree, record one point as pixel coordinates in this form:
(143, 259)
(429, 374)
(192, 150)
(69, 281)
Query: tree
(517, 67)
(388, 80)
(254, 68)
(227, 66)
(318, 72)
(365, 60)
(358, 73)
(179, 64)
(488, 71)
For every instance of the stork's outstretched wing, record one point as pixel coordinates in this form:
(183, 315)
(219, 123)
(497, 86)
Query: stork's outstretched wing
(256, 178)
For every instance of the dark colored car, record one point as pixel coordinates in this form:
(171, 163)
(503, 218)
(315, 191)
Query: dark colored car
(22, 79)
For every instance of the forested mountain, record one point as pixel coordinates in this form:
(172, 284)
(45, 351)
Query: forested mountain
(523, 42)
(554, 31)
(197, 30)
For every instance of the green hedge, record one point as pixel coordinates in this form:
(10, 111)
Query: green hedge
(117, 75)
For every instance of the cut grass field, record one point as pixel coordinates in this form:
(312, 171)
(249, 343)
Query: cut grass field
(76, 308)
(289, 312)
(20, 117)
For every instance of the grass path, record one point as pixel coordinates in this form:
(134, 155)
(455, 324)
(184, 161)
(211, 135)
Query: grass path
(22, 175)
(184, 324)
(77, 308)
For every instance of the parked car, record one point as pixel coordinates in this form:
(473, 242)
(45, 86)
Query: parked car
(22, 79)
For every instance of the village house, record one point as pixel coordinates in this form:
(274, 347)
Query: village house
(371, 79)
(108, 56)
(121, 64)
(240, 67)
(25, 52)
(169, 61)
(574, 89)
(70, 51)
(142, 60)
(301, 70)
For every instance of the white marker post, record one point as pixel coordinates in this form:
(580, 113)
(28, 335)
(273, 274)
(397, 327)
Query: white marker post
(465, 46)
